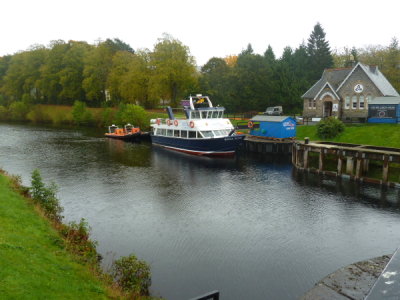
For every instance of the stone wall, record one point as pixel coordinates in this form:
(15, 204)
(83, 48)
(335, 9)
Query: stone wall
(369, 89)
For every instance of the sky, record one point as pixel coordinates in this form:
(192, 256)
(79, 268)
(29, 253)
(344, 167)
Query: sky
(210, 28)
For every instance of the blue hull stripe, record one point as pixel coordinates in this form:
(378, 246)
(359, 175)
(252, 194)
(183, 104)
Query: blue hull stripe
(200, 146)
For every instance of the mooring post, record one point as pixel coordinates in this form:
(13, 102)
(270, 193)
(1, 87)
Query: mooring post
(305, 158)
(349, 165)
(321, 159)
(359, 166)
(385, 174)
(340, 162)
(294, 150)
(365, 165)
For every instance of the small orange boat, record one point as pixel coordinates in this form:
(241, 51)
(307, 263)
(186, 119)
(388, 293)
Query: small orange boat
(128, 133)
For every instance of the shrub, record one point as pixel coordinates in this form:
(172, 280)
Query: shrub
(132, 275)
(18, 110)
(80, 114)
(78, 241)
(329, 128)
(46, 197)
(38, 115)
(134, 114)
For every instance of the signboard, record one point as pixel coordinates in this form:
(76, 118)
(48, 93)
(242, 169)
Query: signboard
(335, 107)
(382, 111)
(358, 88)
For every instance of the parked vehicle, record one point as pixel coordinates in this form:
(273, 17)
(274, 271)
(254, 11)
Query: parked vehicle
(274, 111)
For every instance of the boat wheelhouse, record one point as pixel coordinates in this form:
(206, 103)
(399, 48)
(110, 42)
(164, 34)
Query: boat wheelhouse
(204, 131)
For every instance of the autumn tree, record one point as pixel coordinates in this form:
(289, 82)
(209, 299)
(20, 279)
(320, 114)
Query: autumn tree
(173, 70)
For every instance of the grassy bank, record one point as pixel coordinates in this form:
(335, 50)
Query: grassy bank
(34, 263)
(387, 135)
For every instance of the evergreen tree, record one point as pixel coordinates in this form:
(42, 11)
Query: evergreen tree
(319, 53)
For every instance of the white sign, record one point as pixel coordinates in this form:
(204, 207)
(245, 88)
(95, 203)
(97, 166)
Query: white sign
(358, 88)
(335, 107)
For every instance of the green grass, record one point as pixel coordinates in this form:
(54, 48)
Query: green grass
(34, 263)
(386, 135)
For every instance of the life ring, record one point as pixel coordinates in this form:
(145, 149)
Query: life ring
(176, 122)
(169, 122)
(158, 121)
(250, 124)
(191, 124)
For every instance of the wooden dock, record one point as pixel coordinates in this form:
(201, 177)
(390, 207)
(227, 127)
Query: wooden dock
(355, 162)
(267, 145)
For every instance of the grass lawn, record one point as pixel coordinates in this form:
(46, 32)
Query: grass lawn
(387, 135)
(33, 261)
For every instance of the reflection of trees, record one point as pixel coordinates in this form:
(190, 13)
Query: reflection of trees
(129, 154)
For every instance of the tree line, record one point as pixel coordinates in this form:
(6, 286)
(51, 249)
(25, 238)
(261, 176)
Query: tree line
(111, 72)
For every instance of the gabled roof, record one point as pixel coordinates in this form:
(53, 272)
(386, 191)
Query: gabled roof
(332, 76)
(264, 118)
(377, 78)
(337, 78)
(330, 87)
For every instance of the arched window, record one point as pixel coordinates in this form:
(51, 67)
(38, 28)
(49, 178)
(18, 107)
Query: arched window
(347, 102)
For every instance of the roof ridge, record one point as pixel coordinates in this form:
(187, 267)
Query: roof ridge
(339, 69)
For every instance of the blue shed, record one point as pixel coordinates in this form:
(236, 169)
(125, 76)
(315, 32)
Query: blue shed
(274, 126)
(384, 110)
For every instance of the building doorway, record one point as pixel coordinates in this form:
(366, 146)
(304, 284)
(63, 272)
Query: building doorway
(327, 108)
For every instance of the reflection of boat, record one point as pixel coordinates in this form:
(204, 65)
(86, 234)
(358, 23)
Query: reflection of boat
(128, 133)
(204, 131)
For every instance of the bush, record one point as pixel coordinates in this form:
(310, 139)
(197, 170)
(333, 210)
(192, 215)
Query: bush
(18, 110)
(46, 197)
(3, 113)
(132, 275)
(78, 241)
(134, 114)
(80, 114)
(37, 115)
(329, 128)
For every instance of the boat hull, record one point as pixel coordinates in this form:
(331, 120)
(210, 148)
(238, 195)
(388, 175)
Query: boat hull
(223, 146)
(125, 137)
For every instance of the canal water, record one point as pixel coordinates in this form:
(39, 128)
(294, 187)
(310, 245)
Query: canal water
(247, 226)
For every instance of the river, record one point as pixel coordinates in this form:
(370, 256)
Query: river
(247, 226)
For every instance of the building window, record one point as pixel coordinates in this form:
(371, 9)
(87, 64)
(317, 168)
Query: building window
(361, 102)
(314, 103)
(347, 102)
(354, 102)
(309, 103)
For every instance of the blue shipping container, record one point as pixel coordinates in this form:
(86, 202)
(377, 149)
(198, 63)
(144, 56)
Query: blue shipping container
(274, 127)
(384, 110)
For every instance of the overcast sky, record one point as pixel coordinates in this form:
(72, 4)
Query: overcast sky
(208, 27)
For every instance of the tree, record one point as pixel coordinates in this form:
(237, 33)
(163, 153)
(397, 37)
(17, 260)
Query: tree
(173, 70)
(319, 52)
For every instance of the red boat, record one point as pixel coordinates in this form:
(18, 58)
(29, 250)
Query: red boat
(128, 133)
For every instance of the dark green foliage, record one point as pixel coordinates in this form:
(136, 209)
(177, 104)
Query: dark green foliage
(133, 114)
(329, 128)
(45, 196)
(18, 110)
(132, 275)
(319, 53)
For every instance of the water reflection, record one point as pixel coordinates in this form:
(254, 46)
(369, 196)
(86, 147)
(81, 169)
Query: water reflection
(249, 226)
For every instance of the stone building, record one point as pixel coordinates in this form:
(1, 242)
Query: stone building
(345, 92)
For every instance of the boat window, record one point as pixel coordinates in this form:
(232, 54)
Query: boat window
(170, 132)
(207, 133)
(195, 115)
(192, 134)
(221, 114)
(176, 133)
(164, 131)
(204, 115)
(219, 132)
(199, 136)
(215, 114)
(184, 134)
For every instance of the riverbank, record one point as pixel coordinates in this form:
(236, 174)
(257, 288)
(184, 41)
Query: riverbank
(44, 258)
(34, 260)
(385, 135)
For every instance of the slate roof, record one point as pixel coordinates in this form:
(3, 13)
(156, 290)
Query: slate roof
(333, 76)
(264, 118)
(337, 77)
(385, 100)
